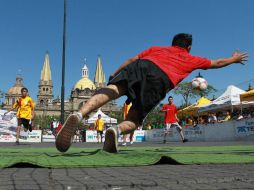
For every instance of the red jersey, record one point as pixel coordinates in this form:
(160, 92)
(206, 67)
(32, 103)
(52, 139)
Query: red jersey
(170, 111)
(176, 62)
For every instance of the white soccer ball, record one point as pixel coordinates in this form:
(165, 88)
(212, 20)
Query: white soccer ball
(199, 83)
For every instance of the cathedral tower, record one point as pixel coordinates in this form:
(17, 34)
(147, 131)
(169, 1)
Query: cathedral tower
(99, 79)
(45, 93)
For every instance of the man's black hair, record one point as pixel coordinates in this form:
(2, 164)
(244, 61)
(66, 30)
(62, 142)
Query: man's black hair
(22, 89)
(170, 97)
(182, 40)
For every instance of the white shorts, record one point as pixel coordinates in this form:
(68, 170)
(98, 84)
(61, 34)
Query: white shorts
(168, 126)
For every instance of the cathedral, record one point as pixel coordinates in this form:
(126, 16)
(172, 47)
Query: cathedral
(48, 105)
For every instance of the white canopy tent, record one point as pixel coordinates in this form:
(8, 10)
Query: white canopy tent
(227, 100)
(105, 118)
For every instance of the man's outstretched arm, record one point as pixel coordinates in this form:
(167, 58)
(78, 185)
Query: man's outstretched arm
(235, 58)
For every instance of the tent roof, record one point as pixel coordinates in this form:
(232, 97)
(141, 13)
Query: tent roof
(192, 109)
(247, 96)
(230, 97)
(105, 117)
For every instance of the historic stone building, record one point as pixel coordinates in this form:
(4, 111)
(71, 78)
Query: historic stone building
(45, 93)
(82, 91)
(14, 92)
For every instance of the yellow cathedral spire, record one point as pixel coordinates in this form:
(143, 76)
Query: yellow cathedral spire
(46, 71)
(99, 78)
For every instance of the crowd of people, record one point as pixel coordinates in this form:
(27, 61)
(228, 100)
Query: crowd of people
(218, 117)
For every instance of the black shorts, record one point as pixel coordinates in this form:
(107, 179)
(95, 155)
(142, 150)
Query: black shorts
(146, 85)
(24, 122)
(100, 132)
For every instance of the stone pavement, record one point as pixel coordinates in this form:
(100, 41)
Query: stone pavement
(156, 177)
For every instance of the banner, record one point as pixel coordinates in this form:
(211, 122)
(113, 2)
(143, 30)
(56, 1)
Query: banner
(91, 136)
(8, 125)
(244, 128)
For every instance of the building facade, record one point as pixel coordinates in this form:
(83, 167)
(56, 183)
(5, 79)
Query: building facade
(14, 92)
(81, 92)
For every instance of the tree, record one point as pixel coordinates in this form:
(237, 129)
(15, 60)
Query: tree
(155, 117)
(1, 96)
(187, 92)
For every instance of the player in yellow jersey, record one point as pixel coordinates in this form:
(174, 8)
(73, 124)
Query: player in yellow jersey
(25, 112)
(99, 127)
(126, 107)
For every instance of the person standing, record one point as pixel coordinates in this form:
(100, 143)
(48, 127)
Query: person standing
(126, 107)
(99, 127)
(171, 119)
(25, 112)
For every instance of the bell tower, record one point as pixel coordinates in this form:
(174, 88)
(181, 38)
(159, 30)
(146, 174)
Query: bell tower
(45, 93)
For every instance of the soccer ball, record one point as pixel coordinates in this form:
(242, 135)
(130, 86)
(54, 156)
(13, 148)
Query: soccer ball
(199, 83)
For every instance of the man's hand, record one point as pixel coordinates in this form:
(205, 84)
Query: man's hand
(239, 57)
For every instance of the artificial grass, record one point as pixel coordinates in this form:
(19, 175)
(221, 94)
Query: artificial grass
(127, 156)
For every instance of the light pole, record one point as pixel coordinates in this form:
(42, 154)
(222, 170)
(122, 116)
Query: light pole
(63, 65)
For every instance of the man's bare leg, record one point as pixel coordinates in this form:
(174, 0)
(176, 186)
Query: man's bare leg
(101, 97)
(17, 134)
(126, 127)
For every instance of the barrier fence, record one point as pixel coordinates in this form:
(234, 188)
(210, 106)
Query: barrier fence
(228, 131)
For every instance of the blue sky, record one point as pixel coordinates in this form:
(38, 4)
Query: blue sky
(117, 30)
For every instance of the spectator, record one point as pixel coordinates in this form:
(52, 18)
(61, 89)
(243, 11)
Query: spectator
(240, 117)
(213, 118)
(227, 117)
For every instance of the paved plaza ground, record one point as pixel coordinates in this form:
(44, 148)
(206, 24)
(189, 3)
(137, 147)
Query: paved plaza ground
(145, 177)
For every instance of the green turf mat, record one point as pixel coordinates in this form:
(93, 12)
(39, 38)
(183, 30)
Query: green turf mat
(88, 157)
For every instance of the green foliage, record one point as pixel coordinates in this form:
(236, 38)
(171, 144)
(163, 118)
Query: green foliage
(1, 96)
(155, 118)
(187, 92)
(117, 115)
(44, 121)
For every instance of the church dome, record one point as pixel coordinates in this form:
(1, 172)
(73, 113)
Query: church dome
(85, 83)
(16, 89)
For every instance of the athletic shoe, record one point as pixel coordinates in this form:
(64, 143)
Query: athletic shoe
(164, 141)
(124, 144)
(111, 140)
(30, 128)
(185, 140)
(131, 142)
(64, 136)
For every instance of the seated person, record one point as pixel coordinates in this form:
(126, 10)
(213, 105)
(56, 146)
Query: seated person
(227, 117)
(213, 118)
(240, 117)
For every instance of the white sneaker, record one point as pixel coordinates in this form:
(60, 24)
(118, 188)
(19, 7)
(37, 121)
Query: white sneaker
(111, 140)
(131, 142)
(124, 144)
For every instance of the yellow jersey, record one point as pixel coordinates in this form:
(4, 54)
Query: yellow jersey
(99, 124)
(25, 107)
(126, 109)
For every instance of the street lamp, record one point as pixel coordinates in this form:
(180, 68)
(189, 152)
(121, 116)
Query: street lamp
(63, 65)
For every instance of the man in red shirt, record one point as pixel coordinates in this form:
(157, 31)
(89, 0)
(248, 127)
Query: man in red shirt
(171, 119)
(144, 79)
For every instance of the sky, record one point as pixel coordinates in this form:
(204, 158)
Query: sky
(118, 30)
